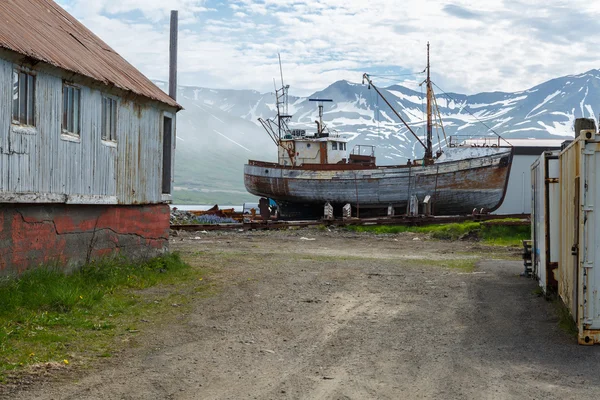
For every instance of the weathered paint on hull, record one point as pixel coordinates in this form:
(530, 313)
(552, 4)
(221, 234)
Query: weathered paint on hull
(456, 187)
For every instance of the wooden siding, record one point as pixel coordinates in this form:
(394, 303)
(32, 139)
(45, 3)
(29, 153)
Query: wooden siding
(40, 164)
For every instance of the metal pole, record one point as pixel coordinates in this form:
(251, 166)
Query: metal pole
(173, 55)
(428, 150)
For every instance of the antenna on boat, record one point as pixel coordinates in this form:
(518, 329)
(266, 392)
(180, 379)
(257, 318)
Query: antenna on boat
(284, 88)
(281, 103)
(320, 121)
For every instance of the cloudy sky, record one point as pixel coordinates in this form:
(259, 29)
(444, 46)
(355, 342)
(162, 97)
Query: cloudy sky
(476, 46)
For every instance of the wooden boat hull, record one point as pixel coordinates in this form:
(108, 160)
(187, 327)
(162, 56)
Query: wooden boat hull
(456, 187)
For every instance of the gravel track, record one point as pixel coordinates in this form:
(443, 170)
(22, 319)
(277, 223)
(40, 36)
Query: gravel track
(347, 316)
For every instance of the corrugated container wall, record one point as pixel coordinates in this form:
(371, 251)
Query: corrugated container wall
(42, 165)
(545, 216)
(579, 266)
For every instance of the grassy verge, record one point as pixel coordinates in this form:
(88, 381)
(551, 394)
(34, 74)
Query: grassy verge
(49, 317)
(489, 233)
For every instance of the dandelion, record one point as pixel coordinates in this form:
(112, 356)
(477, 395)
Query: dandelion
(199, 279)
(31, 354)
(66, 362)
(81, 297)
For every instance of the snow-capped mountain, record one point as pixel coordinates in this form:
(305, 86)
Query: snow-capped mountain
(218, 130)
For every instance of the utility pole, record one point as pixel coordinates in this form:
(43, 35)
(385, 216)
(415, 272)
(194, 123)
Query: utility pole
(173, 55)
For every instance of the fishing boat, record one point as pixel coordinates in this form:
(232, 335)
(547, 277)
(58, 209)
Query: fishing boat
(315, 170)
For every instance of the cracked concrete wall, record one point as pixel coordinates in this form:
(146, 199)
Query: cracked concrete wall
(71, 235)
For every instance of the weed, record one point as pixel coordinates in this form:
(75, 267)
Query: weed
(322, 228)
(538, 291)
(565, 321)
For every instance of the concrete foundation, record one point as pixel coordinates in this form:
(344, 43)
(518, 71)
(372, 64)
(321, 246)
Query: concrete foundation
(71, 235)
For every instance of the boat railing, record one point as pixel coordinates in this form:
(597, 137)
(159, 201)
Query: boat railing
(301, 134)
(363, 150)
(470, 141)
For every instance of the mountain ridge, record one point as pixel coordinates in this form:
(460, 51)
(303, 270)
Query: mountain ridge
(220, 129)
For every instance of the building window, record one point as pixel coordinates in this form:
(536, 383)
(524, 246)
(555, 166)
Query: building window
(109, 119)
(71, 122)
(333, 145)
(23, 108)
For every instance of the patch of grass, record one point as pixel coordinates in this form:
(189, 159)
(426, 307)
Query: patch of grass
(438, 231)
(505, 235)
(46, 315)
(462, 264)
(489, 233)
(565, 321)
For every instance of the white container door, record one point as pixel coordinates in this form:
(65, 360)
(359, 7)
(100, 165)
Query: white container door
(589, 255)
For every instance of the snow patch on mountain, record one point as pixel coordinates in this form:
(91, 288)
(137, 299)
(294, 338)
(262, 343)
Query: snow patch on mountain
(547, 99)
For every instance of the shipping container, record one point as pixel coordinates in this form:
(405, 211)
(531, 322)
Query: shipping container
(545, 214)
(579, 274)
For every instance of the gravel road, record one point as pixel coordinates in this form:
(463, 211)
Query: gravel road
(312, 314)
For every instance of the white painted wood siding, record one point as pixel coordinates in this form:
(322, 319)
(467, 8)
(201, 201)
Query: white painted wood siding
(39, 165)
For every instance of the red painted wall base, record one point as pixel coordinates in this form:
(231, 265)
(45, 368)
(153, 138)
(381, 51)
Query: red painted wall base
(70, 235)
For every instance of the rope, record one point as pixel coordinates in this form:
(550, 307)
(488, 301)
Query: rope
(465, 108)
(423, 110)
(378, 118)
(407, 74)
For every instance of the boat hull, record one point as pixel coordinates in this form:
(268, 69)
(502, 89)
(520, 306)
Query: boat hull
(456, 187)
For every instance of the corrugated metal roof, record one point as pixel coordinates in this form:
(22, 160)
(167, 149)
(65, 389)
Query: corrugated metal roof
(41, 29)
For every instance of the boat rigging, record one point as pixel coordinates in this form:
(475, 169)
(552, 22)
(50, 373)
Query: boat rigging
(428, 145)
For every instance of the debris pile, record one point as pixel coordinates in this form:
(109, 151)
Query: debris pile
(214, 219)
(180, 217)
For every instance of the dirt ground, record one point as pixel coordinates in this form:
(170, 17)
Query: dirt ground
(312, 314)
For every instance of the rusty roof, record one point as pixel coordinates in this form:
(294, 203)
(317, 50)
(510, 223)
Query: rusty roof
(42, 30)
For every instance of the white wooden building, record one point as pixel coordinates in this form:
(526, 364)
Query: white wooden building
(79, 125)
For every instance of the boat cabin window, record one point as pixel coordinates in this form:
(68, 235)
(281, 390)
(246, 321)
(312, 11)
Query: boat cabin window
(307, 145)
(333, 145)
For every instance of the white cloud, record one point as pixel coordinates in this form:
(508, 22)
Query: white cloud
(506, 45)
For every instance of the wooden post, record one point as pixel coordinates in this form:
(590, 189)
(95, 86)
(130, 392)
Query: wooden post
(584, 123)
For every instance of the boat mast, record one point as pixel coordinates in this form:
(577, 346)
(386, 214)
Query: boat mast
(428, 148)
(278, 128)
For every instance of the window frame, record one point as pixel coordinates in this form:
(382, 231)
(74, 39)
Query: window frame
(65, 130)
(30, 95)
(167, 197)
(334, 146)
(112, 137)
